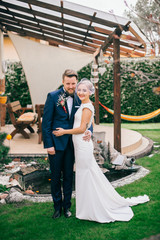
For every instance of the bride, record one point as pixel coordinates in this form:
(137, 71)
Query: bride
(96, 199)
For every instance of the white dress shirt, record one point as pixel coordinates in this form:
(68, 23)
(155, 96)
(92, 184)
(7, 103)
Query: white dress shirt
(69, 104)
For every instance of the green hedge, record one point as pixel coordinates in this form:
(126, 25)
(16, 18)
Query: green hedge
(136, 99)
(16, 84)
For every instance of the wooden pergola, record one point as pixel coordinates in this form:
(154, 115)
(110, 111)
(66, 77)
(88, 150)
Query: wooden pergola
(63, 23)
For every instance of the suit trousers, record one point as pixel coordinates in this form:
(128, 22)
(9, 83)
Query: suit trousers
(61, 166)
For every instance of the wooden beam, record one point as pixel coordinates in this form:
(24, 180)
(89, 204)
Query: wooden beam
(108, 41)
(48, 16)
(129, 51)
(89, 27)
(123, 54)
(73, 13)
(137, 36)
(133, 46)
(52, 40)
(50, 24)
(117, 96)
(96, 85)
(45, 33)
(62, 17)
(10, 21)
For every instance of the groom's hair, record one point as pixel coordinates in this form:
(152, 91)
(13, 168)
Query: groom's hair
(69, 73)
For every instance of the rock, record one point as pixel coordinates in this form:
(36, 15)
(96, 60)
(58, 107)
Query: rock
(16, 160)
(2, 201)
(23, 165)
(14, 183)
(29, 165)
(14, 196)
(129, 162)
(29, 192)
(3, 195)
(4, 179)
(9, 167)
(13, 170)
(33, 163)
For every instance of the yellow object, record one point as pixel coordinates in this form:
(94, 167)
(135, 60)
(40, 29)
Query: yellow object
(134, 118)
(9, 137)
(3, 99)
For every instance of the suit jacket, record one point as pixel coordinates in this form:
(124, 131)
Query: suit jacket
(55, 116)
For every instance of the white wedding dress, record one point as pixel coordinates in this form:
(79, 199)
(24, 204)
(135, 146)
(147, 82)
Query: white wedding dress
(96, 199)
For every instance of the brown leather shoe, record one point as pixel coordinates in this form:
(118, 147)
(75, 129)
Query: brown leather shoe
(56, 214)
(67, 213)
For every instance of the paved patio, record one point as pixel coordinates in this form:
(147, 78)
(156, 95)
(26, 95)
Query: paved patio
(133, 143)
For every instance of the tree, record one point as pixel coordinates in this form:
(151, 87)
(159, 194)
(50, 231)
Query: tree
(146, 15)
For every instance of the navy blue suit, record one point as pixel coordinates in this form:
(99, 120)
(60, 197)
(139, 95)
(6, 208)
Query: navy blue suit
(62, 162)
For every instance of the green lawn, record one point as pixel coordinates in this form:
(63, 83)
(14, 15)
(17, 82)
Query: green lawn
(32, 221)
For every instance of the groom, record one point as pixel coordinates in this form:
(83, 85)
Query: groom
(59, 110)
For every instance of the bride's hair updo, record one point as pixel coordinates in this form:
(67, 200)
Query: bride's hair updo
(88, 84)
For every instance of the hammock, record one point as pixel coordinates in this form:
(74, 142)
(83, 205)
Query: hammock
(134, 118)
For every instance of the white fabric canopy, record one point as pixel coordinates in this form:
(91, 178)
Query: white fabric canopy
(44, 65)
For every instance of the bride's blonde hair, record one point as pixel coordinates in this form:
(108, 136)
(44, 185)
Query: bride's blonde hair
(88, 84)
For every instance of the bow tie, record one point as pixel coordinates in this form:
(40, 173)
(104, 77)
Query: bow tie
(68, 95)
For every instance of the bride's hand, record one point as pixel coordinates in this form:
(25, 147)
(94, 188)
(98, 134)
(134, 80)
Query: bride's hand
(58, 132)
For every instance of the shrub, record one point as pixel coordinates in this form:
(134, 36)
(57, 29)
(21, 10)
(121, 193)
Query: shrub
(16, 84)
(3, 150)
(136, 98)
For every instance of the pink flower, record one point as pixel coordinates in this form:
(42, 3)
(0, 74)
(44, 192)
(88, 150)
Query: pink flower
(61, 101)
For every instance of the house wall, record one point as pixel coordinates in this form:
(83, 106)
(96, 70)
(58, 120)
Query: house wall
(9, 51)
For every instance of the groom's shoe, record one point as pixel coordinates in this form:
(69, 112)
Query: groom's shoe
(67, 213)
(56, 214)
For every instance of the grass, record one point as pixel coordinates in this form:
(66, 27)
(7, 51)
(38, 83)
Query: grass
(32, 221)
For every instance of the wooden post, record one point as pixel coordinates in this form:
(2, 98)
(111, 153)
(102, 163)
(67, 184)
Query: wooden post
(2, 83)
(96, 85)
(117, 96)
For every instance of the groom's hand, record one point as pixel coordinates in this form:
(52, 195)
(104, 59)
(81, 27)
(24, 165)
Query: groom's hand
(87, 135)
(51, 150)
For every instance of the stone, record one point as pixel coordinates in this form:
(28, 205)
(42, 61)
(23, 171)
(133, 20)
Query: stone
(23, 165)
(14, 196)
(4, 179)
(33, 163)
(9, 167)
(29, 165)
(3, 195)
(29, 192)
(16, 160)
(2, 201)
(14, 183)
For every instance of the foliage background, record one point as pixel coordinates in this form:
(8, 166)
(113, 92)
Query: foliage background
(136, 98)
(16, 84)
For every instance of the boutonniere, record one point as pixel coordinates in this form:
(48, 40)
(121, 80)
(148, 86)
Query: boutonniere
(61, 101)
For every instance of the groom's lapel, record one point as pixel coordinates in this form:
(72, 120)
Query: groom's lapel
(75, 106)
(66, 106)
